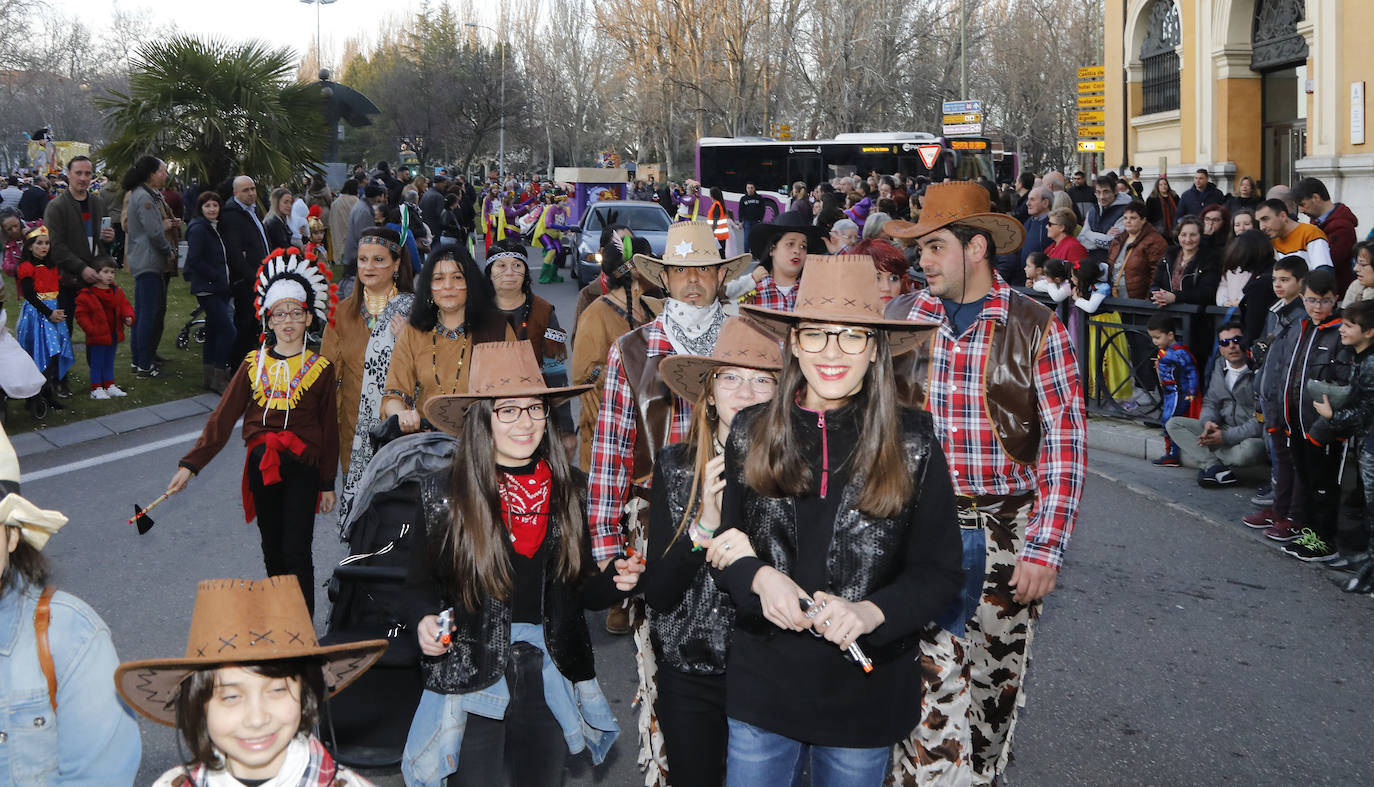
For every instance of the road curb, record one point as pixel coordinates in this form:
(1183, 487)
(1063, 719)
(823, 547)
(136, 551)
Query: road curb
(40, 441)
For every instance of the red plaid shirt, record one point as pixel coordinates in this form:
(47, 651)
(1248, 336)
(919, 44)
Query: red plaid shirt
(768, 296)
(613, 446)
(977, 462)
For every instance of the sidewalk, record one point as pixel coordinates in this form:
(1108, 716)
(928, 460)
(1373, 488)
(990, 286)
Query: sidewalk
(41, 441)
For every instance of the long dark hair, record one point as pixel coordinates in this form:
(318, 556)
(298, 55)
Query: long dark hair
(777, 467)
(139, 173)
(474, 551)
(26, 563)
(1249, 251)
(424, 313)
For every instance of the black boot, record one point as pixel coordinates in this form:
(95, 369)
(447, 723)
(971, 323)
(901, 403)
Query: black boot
(1362, 581)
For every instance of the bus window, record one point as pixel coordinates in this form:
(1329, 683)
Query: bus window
(730, 167)
(806, 167)
(971, 166)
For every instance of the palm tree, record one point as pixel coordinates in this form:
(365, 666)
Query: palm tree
(214, 110)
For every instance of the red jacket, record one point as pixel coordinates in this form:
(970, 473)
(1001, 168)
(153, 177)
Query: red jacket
(1340, 234)
(101, 313)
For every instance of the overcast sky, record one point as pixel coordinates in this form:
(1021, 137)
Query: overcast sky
(280, 22)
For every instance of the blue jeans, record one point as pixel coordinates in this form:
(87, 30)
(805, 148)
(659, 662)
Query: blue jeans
(148, 291)
(219, 330)
(101, 363)
(759, 758)
(955, 618)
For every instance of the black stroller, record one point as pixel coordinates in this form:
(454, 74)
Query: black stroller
(368, 722)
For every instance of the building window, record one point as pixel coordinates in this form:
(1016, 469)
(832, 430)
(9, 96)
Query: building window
(1274, 38)
(1159, 58)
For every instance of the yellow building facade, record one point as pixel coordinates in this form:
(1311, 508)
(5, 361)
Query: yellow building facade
(1272, 89)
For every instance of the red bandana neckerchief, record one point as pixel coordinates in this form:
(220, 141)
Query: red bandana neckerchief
(525, 506)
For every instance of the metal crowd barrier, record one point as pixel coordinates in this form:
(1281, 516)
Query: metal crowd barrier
(1116, 358)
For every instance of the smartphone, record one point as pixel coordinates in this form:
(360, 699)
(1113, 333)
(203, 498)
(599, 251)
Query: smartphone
(104, 223)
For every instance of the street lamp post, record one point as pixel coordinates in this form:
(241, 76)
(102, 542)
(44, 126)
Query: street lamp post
(317, 4)
(501, 144)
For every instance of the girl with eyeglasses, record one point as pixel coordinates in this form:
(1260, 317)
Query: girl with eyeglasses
(287, 397)
(497, 600)
(690, 618)
(846, 501)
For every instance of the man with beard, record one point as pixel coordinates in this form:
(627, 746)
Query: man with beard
(639, 415)
(1015, 442)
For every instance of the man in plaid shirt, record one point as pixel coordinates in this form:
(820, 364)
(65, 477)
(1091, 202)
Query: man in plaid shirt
(1014, 441)
(692, 272)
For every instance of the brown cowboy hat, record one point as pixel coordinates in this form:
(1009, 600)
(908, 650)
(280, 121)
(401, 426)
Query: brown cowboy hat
(843, 289)
(962, 202)
(236, 621)
(500, 370)
(742, 342)
(693, 244)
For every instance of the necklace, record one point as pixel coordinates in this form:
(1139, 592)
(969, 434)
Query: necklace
(375, 304)
(459, 333)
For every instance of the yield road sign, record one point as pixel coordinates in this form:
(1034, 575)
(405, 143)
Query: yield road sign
(928, 154)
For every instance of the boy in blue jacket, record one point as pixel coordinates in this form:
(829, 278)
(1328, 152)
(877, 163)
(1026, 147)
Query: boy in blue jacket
(1178, 381)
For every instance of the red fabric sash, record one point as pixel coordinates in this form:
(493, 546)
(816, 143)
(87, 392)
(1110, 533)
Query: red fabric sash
(270, 464)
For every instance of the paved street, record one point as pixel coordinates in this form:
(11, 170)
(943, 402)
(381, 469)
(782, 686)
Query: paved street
(1179, 649)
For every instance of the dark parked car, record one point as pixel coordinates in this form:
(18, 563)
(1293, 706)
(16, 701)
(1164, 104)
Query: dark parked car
(646, 219)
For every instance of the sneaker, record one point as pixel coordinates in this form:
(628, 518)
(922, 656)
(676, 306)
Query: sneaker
(1310, 548)
(1215, 476)
(114, 391)
(99, 393)
(1168, 460)
(1264, 496)
(1348, 565)
(1282, 531)
(151, 371)
(1259, 519)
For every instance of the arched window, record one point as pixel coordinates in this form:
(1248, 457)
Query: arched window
(1159, 58)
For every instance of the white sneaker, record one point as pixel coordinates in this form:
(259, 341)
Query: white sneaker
(114, 391)
(99, 393)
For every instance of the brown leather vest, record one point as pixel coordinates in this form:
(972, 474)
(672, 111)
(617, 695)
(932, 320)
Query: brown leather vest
(538, 333)
(1008, 375)
(653, 403)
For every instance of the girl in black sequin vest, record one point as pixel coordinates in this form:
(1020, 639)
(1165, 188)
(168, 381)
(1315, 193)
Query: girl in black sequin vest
(690, 619)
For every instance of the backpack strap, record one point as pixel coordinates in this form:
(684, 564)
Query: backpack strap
(41, 618)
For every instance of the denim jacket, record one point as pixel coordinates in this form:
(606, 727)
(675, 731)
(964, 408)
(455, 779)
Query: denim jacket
(436, 733)
(94, 739)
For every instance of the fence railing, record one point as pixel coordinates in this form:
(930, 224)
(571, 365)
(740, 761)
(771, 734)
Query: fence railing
(1116, 359)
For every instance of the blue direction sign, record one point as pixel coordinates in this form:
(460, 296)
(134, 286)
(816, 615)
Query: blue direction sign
(961, 107)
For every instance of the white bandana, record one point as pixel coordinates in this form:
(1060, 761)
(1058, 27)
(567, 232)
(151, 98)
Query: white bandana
(692, 330)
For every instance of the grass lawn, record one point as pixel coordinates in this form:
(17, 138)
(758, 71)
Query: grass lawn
(180, 376)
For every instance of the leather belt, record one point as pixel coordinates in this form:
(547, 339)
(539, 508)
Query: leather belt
(47, 296)
(976, 502)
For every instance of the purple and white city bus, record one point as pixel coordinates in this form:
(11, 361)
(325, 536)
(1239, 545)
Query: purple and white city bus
(774, 165)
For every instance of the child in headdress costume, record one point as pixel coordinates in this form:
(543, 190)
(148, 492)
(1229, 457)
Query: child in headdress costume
(286, 396)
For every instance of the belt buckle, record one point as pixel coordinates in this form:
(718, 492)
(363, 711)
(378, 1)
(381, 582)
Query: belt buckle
(972, 501)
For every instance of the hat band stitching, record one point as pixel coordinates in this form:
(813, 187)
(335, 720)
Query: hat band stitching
(227, 643)
(260, 637)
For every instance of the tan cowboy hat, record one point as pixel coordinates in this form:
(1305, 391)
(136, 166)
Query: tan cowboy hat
(742, 342)
(237, 621)
(693, 244)
(841, 289)
(962, 202)
(35, 524)
(500, 370)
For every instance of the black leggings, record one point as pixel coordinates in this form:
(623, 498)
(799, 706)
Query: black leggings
(286, 519)
(691, 713)
(526, 747)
